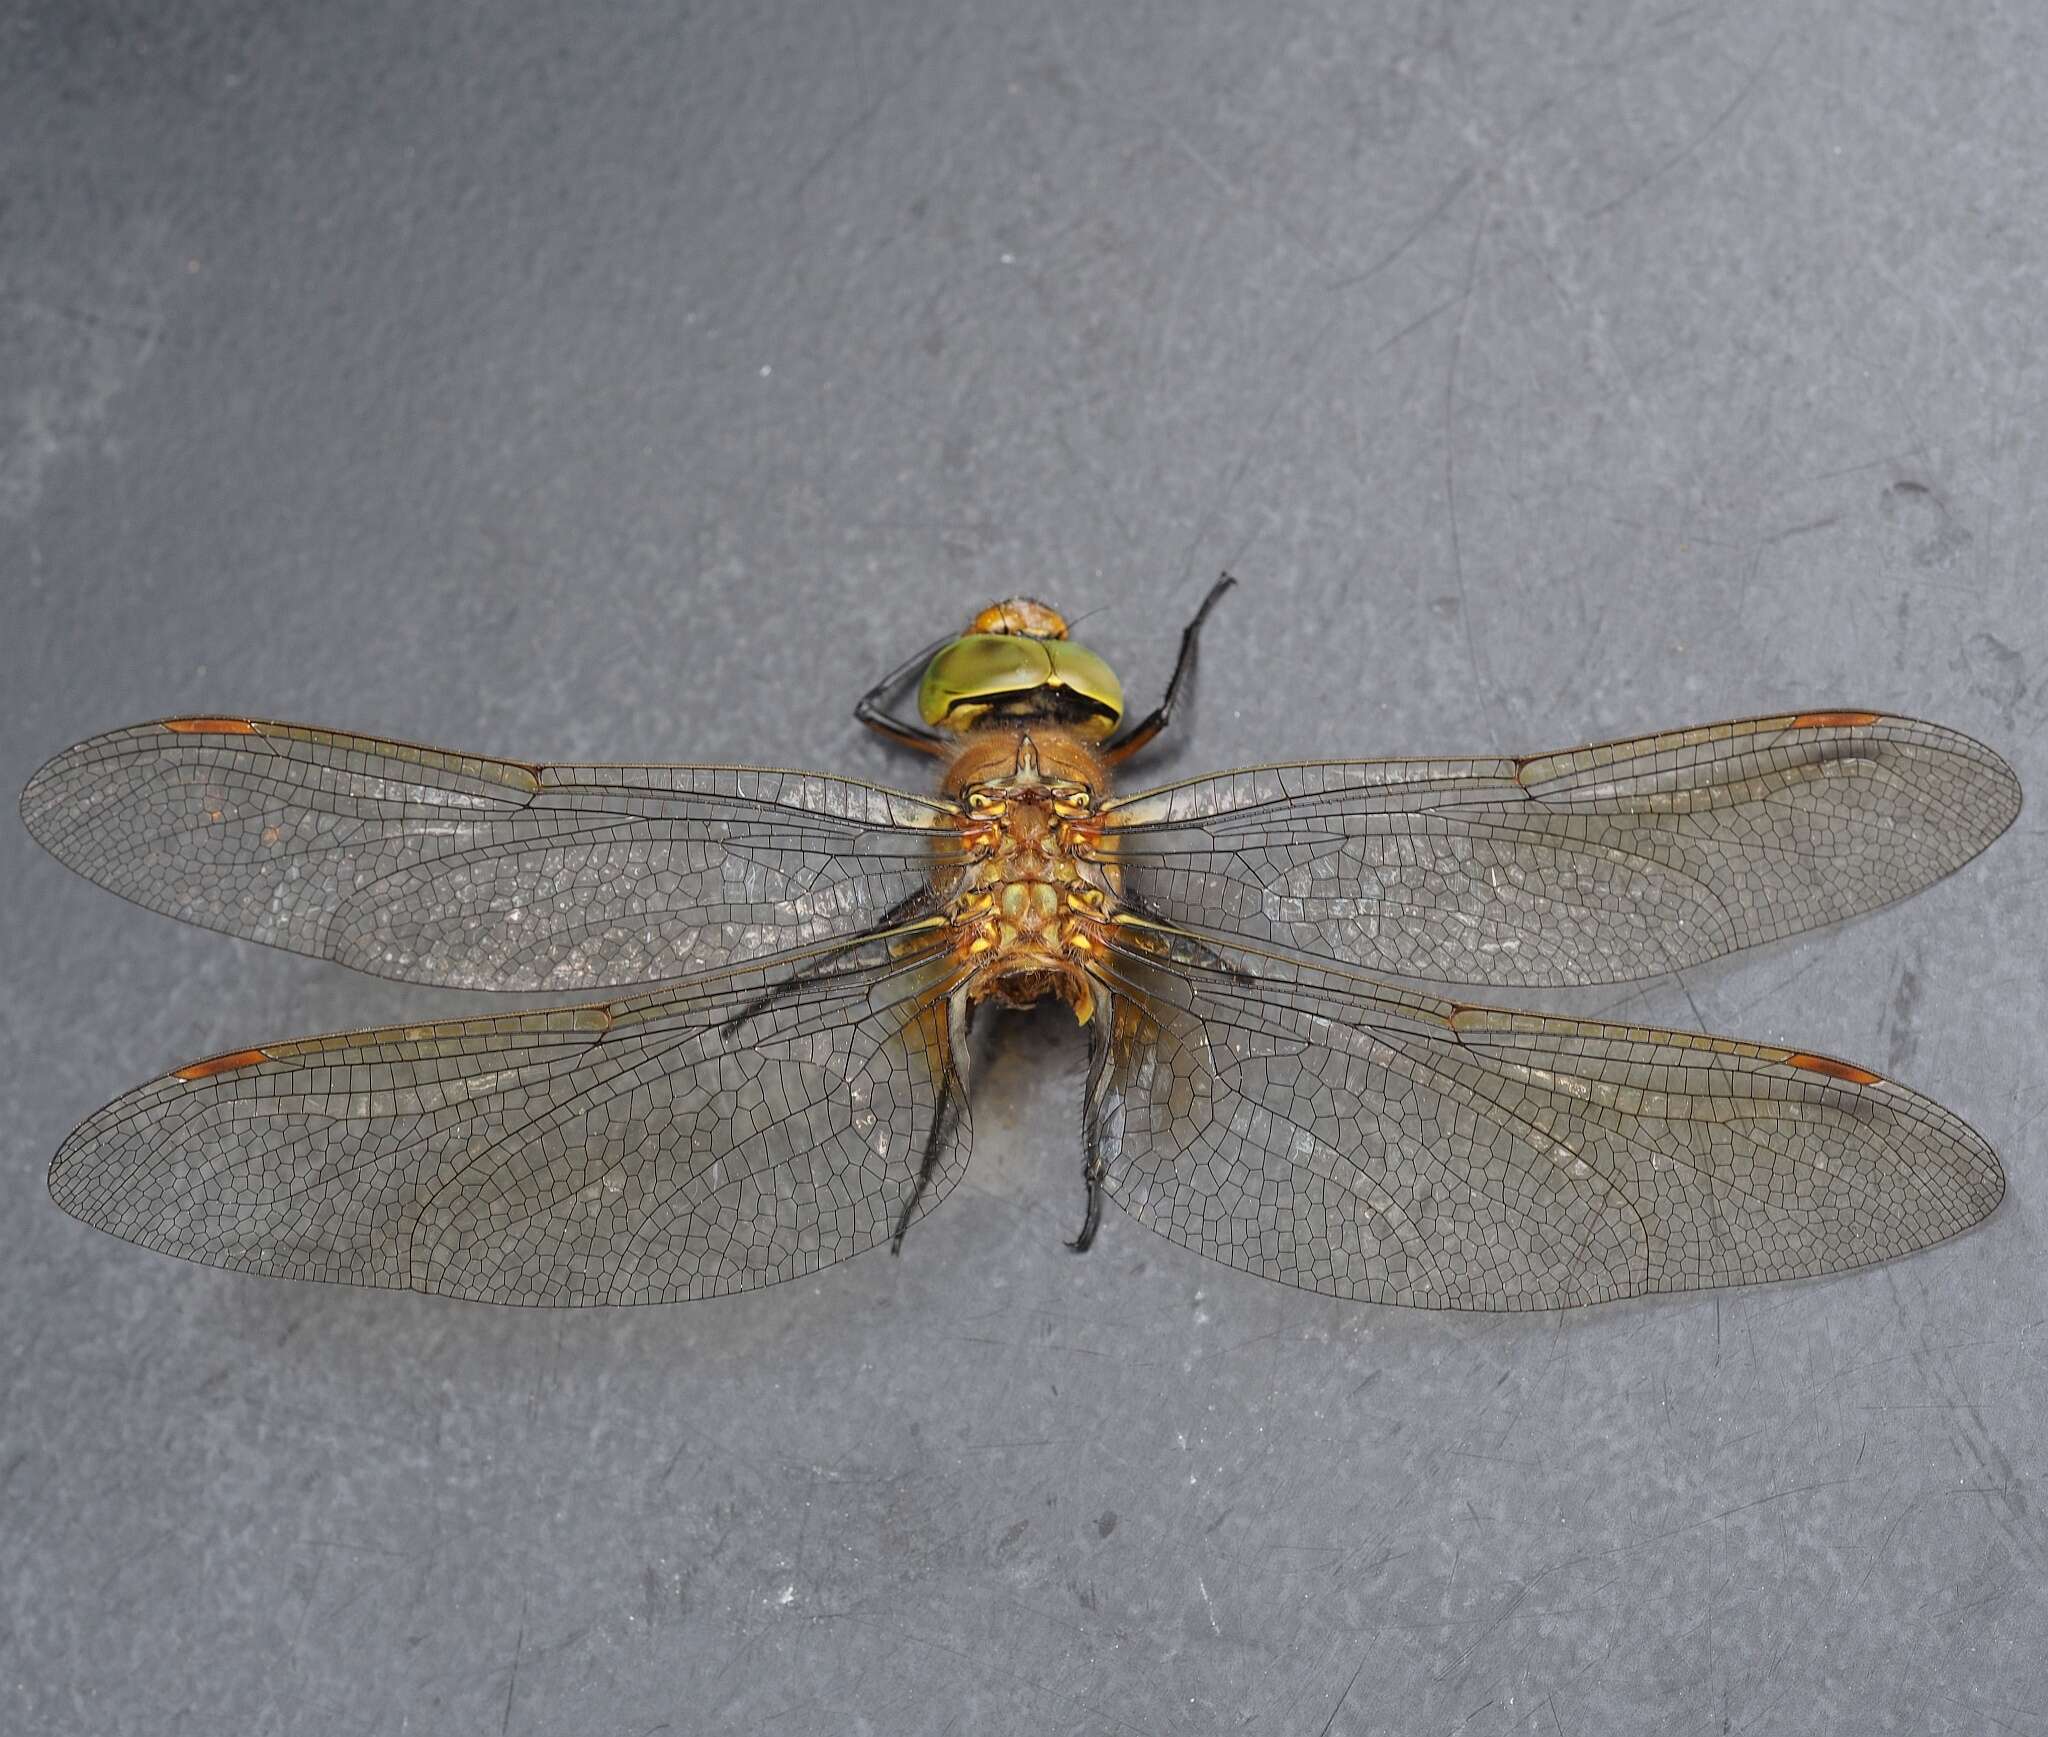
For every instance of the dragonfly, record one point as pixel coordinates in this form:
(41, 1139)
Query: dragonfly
(768, 1069)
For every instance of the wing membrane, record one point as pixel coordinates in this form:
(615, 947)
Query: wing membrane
(1368, 1141)
(440, 868)
(719, 1136)
(1591, 865)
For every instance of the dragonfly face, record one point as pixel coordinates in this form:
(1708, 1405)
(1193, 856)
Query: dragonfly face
(767, 1068)
(1015, 664)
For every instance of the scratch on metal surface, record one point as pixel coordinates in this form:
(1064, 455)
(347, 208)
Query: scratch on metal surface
(1234, 194)
(1238, 196)
(854, 128)
(1330, 1723)
(1791, 531)
(1459, 183)
(128, 1558)
(1713, 127)
(512, 1681)
(1281, 400)
(1780, 1495)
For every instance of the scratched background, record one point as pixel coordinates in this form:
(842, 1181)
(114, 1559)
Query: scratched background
(608, 383)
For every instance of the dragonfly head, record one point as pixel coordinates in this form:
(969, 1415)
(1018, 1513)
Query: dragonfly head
(1015, 664)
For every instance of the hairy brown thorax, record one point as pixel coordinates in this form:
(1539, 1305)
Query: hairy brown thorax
(1028, 903)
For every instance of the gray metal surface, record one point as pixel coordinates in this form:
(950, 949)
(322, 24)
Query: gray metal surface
(559, 385)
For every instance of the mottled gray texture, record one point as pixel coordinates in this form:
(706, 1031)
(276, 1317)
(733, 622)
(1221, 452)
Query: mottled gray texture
(596, 384)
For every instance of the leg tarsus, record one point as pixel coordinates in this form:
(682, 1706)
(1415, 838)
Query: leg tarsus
(1092, 1171)
(1146, 728)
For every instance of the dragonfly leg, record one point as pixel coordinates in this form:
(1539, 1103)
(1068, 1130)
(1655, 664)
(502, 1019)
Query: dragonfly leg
(952, 1098)
(873, 709)
(1093, 1168)
(933, 1142)
(1146, 728)
(916, 904)
(1154, 933)
(1092, 1172)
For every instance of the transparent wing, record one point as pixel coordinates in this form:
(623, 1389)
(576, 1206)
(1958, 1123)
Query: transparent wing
(1593, 865)
(1366, 1141)
(719, 1136)
(443, 868)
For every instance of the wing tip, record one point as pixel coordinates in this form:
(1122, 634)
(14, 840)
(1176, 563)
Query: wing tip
(29, 808)
(40, 803)
(44, 799)
(73, 1167)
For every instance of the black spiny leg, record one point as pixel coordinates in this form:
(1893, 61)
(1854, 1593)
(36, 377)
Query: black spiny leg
(934, 1142)
(1161, 935)
(873, 708)
(918, 904)
(952, 1099)
(1146, 728)
(1093, 1169)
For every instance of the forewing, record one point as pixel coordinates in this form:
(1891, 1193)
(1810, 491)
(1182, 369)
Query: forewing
(443, 868)
(713, 1138)
(1366, 1141)
(1592, 865)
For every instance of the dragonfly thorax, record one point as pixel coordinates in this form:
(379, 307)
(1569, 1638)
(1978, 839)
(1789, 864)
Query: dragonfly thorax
(1028, 905)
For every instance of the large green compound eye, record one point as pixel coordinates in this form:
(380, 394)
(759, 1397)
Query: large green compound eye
(975, 671)
(1081, 672)
(979, 671)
